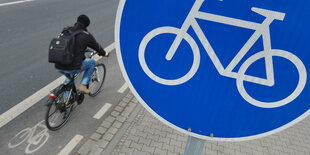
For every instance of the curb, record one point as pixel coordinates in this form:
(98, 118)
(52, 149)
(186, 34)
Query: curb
(107, 135)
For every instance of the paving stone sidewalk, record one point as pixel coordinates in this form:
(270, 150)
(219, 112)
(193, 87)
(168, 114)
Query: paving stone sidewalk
(134, 131)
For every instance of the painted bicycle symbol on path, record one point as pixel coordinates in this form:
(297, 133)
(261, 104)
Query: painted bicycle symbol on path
(36, 137)
(261, 29)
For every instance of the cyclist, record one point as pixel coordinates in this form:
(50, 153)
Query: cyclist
(80, 64)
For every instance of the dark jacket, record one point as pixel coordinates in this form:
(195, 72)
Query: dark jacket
(82, 41)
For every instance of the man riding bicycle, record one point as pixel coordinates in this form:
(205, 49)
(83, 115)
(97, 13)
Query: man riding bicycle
(80, 64)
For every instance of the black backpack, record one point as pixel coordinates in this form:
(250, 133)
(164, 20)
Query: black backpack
(61, 49)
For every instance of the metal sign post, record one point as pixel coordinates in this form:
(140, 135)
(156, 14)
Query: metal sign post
(194, 146)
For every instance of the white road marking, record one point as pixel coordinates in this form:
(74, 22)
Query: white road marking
(69, 147)
(16, 2)
(110, 47)
(35, 138)
(33, 99)
(123, 88)
(29, 102)
(102, 111)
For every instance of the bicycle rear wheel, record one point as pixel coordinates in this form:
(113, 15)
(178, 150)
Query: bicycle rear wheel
(97, 80)
(59, 110)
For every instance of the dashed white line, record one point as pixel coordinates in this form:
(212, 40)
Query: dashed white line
(16, 2)
(33, 99)
(102, 111)
(123, 88)
(69, 147)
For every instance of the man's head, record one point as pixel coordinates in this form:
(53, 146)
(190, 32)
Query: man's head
(84, 20)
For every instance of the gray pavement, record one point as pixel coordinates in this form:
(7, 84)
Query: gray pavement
(131, 130)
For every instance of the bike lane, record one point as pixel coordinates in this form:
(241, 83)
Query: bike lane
(42, 141)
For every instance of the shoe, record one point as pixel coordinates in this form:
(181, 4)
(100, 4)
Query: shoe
(83, 89)
(80, 98)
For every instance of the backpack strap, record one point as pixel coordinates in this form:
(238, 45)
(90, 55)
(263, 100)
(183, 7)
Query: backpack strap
(73, 34)
(77, 32)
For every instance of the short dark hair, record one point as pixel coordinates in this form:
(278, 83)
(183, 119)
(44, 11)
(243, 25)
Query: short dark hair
(84, 20)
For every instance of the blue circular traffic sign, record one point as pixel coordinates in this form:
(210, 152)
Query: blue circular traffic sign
(233, 69)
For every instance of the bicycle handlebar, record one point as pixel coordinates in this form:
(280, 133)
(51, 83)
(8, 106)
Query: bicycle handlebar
(269, 13)
(90, 53)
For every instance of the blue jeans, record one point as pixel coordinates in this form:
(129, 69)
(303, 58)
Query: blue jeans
(88, 66)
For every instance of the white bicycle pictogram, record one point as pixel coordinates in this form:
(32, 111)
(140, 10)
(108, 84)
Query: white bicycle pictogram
(261, 29)
(34, 138)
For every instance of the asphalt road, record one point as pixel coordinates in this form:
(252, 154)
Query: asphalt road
(26, 30)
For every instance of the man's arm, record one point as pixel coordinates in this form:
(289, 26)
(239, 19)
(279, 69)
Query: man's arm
(92, 43)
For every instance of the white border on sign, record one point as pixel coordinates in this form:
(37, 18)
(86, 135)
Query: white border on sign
(121, 64)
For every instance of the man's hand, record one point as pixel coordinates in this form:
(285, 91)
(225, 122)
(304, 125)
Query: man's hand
(106, 54)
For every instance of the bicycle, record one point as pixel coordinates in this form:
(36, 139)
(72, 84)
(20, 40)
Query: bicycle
(62, 98)
(261, 29)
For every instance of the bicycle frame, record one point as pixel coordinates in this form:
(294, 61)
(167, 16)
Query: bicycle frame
(261, 29)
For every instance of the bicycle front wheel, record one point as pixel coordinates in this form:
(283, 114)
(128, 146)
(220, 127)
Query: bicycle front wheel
(59, 110)
(97, 80)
